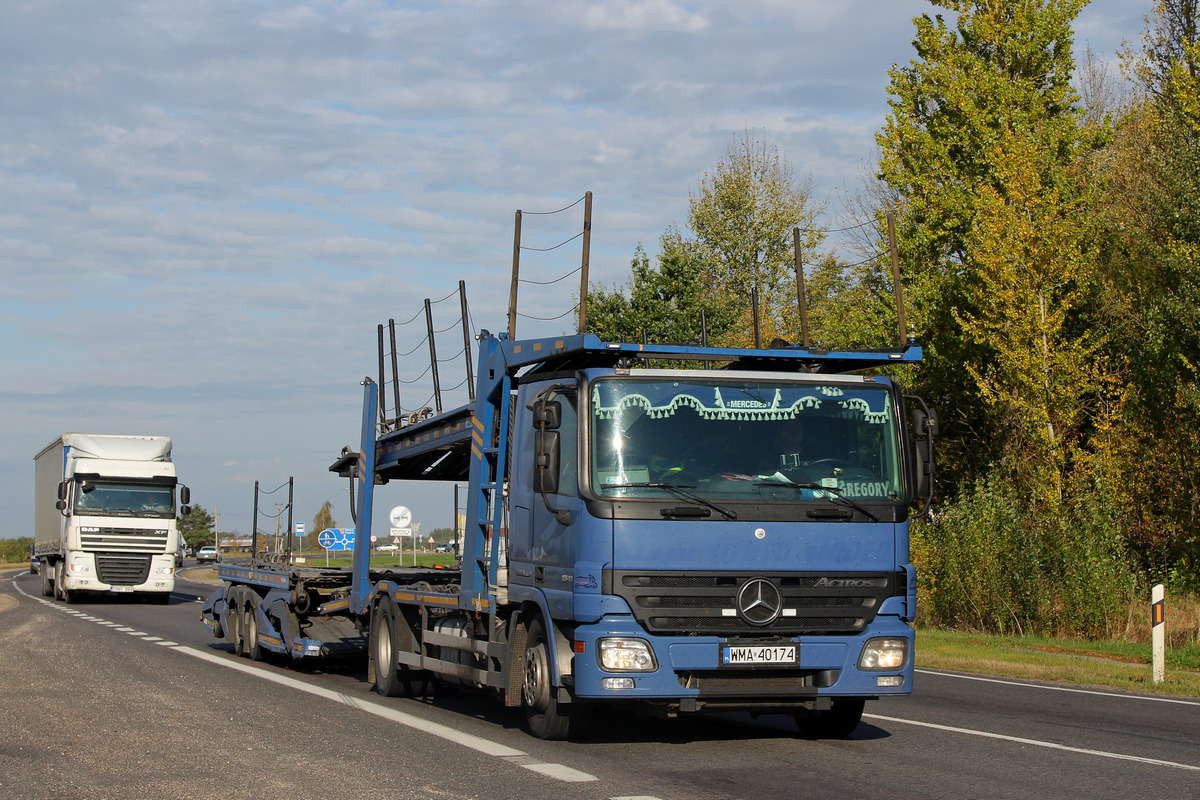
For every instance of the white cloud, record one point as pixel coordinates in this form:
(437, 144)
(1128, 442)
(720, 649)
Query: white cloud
(209, 205)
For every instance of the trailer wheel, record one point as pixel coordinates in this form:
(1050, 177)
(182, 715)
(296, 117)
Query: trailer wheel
(546, 717)
(233, 619)
(836, 723)
(392, 679)
(250, 647)
(47, 581)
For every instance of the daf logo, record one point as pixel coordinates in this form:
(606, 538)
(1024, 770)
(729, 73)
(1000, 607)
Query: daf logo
(759, 601)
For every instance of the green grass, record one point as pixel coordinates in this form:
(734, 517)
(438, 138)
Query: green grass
(1117, 665)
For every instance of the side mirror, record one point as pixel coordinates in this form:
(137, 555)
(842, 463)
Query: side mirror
(546, 463)
(924, 428)
(185, 496)
(62, 491)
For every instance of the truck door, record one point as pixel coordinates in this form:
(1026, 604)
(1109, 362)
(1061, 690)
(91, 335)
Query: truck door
(545, 506)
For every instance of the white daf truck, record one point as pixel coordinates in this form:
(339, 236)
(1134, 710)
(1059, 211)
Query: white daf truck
(105, 516)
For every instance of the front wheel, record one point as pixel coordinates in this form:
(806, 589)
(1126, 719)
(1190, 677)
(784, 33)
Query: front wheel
(546, 716)
(836, 723)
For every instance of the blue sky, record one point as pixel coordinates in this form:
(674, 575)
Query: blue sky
(209, 205)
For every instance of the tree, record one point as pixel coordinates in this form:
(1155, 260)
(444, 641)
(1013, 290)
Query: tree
(993, 88)
(664, 299)
(197, 527)
(743, 216)
(324, 519)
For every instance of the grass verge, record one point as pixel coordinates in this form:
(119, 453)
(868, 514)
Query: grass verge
(1115, 665)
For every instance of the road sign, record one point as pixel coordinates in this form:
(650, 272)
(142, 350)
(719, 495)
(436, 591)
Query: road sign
(402, 532)
(299, 528)
(336, 538)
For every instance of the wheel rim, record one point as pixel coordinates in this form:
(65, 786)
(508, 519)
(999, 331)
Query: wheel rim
(383, 647)
(536, 688)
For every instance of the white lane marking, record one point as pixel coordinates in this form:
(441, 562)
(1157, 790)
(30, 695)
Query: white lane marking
(1096, 692)
(476, 743)
(1036, 743)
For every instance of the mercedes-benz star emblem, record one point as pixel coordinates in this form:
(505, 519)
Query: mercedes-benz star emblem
(759, 601)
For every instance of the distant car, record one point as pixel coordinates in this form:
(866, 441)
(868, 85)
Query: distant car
(442, 548)
(388, 548)
(208, 554)
(35, 564)
(179, 555)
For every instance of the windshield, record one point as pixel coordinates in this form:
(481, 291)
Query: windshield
(124, 499)
(759, 440)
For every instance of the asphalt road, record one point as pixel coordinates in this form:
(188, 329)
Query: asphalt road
(114, 699)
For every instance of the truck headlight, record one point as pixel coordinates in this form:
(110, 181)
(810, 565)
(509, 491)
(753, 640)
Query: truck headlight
(626, 655)
(79, 569)
(883, 654)
(164, 570)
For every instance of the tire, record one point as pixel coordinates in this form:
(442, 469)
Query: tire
(387, 639)
(837, 723)
(250, 646)
(546, 717)
(233, 619)
(47, 581)
(60, 593)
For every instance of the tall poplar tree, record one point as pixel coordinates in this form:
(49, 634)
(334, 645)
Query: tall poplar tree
(978, 145)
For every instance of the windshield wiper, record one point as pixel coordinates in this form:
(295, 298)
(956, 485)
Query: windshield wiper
(678, 491)
(837, 494)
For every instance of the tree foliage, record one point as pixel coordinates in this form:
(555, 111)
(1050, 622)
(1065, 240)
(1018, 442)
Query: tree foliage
(323, 519)
(197, 527)
(979, 145)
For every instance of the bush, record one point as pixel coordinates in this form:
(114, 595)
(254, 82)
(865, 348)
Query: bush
(15, 551)
(997, 562)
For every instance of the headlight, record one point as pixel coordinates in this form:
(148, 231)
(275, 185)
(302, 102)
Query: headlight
(164, 570)
(79, 569)
(883, 654)
(626, 655)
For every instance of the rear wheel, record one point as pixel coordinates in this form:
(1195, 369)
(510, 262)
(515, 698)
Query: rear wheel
(546, 716)
(389, 636)
(233, 619)
(251, 647)
(836, 723)
(47, 581)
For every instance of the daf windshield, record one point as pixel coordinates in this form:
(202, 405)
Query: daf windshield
(124, 499)
(756, 440)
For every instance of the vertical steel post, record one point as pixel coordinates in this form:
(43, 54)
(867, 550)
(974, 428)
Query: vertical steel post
(587, 250)
(891, 221)
(462, 302)
(516, 269)
(254, 529)
(754, 309)
(801, 299)
(437, 388)
(382, 410)
(395, 377)
(290, 527)
(360, 586)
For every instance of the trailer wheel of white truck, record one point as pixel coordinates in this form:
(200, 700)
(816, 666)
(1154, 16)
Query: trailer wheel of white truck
(547, 718)
(389, 636)
(47, 581)
(836, 723)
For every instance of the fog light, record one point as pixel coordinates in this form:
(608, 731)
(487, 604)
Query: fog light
(889, 680)
(883, 654)
(617, 683)
(626, 655)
